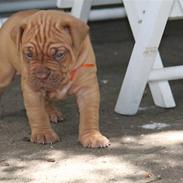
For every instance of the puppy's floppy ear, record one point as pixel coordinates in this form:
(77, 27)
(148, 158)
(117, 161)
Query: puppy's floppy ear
(77, 29)
(17, 33)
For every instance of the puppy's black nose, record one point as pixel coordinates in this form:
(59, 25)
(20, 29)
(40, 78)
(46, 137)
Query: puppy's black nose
(43, 73)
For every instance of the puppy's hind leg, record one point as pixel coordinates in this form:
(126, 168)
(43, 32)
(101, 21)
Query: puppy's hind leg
(7, 73)
(55, 116)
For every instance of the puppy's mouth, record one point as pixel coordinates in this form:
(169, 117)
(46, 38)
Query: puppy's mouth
(47, 81)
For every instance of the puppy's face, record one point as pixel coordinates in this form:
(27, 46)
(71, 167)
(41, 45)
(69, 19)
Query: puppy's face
(48, 56)
(48, 43)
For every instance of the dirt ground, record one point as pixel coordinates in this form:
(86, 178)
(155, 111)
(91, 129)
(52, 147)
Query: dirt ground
(145, 148)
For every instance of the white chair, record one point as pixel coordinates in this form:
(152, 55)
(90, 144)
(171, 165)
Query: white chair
(82, 9)
(147, 20)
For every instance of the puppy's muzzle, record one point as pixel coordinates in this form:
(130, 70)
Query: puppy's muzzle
(42, 73)
(43, 78)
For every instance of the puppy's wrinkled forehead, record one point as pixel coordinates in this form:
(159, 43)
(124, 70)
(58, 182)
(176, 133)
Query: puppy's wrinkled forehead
(50, 26)
(43, 28)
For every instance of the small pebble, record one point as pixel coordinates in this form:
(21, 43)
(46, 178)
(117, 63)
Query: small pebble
(4, 163)
(147, 175)
(50, 160)
(26, 139)
(159, 177)
(51, 147)
(104, 81)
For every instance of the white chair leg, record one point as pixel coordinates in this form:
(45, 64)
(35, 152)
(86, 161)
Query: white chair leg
(81, 9)
(161, 91)
(143, 56)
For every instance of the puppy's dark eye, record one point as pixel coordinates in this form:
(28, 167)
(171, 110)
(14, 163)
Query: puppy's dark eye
(58, 55)
(29, 55)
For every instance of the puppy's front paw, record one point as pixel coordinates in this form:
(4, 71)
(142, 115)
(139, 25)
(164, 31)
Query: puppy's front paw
(94, 140)
(44, 136)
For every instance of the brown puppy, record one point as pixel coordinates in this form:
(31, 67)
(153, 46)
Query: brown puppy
(51, 50)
